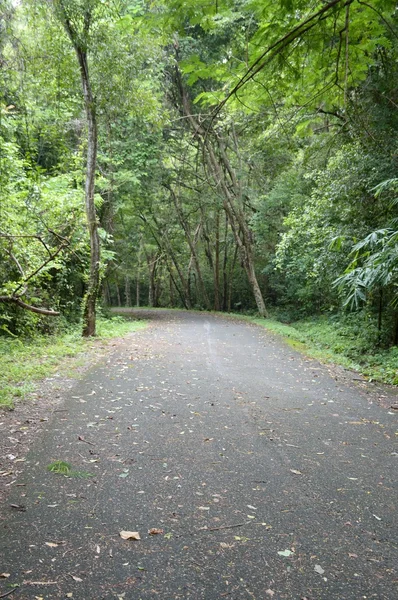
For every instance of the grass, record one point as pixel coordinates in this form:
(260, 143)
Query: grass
(23, 362)
(61, 467)
(336, 341)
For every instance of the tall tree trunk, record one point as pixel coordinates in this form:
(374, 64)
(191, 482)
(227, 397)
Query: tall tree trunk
(138, 276)
(107, 294)
(137, 291)
(231, 279)
(119, 300)
(217, 264)
(192, 244)
(79, 42)
(171, 290)
(151, 262)
(127, 293)
(224, 177)
(225, 265)
(89, 310)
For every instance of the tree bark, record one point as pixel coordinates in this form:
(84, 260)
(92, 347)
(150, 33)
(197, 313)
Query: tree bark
(217, 264)
(127, 294)
(79, 45)
(192, 245)
(224, 177)
(119, 300)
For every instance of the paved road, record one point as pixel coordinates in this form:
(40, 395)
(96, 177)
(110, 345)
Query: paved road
(269, 478)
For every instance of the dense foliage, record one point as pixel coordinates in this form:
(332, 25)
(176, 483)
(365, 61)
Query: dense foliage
(246, 158)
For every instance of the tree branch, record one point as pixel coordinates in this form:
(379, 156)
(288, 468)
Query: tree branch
(35, 309)
(277, 48)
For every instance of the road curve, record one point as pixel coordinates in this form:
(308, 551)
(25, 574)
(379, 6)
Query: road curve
(259, 474)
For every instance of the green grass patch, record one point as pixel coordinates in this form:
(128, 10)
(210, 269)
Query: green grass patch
(63, 468)
(347, 341)
(25, 361)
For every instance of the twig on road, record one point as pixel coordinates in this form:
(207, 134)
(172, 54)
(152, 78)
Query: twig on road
(10, 592)
(227, 526)
(81, 439)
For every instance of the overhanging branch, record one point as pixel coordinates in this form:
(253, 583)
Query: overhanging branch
(35, 309)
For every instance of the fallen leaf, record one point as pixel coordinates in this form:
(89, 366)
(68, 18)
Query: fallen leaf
(270, 593)
(4, 575)
(295, 471)
(285, 553)
(155, 531)
(318, 569)
(130, 535)
(226, 546)
(69, 595)
(76, 578)
(51, 544)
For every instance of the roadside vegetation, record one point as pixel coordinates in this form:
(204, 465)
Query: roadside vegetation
(342, 340)
(24, 361)
(229, 156)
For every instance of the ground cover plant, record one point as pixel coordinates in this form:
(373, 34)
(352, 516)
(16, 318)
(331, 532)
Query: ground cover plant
(24, 361)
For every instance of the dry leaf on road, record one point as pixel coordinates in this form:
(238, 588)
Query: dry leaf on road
(130, 535)
(155, 531)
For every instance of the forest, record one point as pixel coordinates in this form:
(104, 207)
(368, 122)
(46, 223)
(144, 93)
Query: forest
(217, 155)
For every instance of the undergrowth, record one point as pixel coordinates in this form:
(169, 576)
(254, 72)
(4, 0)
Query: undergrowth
(26, 360)
(347, 341)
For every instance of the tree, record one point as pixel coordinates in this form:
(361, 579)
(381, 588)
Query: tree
(77, 18)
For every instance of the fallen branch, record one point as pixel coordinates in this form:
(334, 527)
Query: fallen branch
(35, 309)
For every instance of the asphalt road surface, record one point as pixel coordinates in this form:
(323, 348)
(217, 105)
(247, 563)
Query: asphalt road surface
(247, 470)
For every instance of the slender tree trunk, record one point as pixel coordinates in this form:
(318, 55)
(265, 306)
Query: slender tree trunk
(127, 293)
(225, 265)
(138, 276)
(224, 177)
(217, 264)
(151, 262)
(157, 286)
(89, 310)
(119, 300)
(184, 293)
(107, 294)
(79, 43)
(137, 292)
(192, 245)
(171, 290)
(231, 279)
